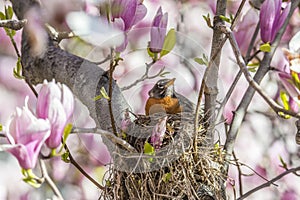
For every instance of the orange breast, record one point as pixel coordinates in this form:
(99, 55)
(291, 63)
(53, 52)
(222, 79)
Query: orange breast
(167, 104)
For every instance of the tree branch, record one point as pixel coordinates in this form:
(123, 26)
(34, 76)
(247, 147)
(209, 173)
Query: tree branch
(13, 24)
(108, 135)
(267, 184)
(261, 72)
(50, 182)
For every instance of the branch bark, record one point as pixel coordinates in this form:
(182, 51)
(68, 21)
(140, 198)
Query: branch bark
(211, 80)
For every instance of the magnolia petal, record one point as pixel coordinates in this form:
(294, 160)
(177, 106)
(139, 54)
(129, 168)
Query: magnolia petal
(58, 120)
(128, 12)
(67, 100)
(267, 16)
(140, 13)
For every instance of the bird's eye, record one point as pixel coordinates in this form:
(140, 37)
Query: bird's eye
(160, 86)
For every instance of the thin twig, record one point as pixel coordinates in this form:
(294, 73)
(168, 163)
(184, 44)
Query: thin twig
(106, 134)
(13, 24)
(144, 76)
(239, 174)
(237, 77)
(82, 171)
(103, 61)
(49, 181)
(31, 87)
(112, 66)
(2, 135)
(292, 170)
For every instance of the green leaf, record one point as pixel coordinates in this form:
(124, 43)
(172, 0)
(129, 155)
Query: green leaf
(103, 94)
(31, 178)
(169, 43)
(285, 100)
(67, 131)
(18, 70)
(284, 165)
(149, 150)
(200, 61)
(224, 18)
(65, 157)
(207, 20)
(150, 53)
(166, 177)
(2, 16)
(9, 12)
(296, 80)
(265, 47)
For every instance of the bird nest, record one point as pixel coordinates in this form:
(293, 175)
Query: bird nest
(182, 168)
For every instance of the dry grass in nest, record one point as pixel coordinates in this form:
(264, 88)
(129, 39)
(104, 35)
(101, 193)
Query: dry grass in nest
(178, 170)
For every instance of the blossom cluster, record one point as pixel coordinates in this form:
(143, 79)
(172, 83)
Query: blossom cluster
(27, 131)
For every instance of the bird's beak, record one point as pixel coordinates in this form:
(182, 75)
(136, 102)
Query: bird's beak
(170, 82)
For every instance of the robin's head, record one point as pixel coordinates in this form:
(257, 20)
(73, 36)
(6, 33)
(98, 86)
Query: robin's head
(163, 88)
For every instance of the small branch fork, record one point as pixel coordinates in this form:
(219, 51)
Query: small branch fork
(144, 76)
(240, 61)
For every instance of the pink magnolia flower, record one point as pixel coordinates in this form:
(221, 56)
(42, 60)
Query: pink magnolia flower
(272, 18)
(56, 103)
(130, 11)
(26, 134)
(158, 132)
(126, 14)
(158, 31)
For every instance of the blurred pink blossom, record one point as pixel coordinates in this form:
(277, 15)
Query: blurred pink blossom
(245, 29)
(27, 134)
(289, 195)
(56, 103)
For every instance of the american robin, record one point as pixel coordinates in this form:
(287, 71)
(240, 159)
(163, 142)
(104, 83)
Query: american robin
(163, 98)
